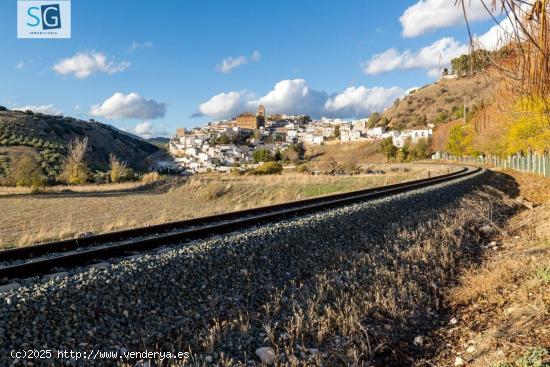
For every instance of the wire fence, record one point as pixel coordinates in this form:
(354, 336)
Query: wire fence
(534, 163)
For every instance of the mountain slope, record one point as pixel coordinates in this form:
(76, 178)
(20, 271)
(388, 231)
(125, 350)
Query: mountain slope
(47, 138)
(438, 103)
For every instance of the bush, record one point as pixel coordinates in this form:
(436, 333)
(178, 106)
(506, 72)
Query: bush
(262, 155)
(268, 168)
(301, 168)
(118, 171)
(25, 171)
(150, 177)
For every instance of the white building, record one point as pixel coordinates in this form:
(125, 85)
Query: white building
(376, 132)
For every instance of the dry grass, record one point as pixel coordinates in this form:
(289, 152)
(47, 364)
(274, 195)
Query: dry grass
(87, 188)
(503, 305)
(366, 308)
(362, 152)
(56, 213)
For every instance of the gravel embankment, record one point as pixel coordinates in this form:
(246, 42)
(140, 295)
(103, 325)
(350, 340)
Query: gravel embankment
(143, 301)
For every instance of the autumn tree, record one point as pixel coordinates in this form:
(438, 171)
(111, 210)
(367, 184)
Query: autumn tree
(387, 148)
(459, 141)
(75, 170)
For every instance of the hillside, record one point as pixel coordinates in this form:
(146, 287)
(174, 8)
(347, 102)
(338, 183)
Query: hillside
(437, 103)
(46, 137)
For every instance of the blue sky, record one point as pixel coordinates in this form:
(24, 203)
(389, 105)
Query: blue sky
(316, 57)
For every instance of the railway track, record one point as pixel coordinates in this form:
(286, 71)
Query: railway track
(57, 256)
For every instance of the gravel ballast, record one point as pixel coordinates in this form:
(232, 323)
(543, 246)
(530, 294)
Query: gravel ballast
(149, 300)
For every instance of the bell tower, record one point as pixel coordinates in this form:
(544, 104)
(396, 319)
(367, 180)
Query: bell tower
(260, 115)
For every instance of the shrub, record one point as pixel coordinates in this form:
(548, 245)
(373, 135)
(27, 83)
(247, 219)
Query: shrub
(301, 168)
(25, 171)
(262, 155)
(150, 177)
(117, 172)
(268, 168)
(421, 149)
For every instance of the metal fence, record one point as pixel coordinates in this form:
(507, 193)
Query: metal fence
(534, 163)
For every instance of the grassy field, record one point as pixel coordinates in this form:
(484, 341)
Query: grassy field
(62, 212)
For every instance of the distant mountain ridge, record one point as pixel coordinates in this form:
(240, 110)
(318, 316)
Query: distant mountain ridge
(47, 138)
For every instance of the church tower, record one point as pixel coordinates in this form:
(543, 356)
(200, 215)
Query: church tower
(261, 115)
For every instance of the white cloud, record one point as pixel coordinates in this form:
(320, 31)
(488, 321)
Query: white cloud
(20, 65)
(428, 15)
(497, 36)
(295, 96)
(83, 64)
(131, 105)
(426, 58)
(136, 45)
(362, 101)
(147, 130)
(45, 109)
(223, 105)
(230, 63)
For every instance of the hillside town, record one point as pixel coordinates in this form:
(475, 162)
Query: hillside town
(223, 145)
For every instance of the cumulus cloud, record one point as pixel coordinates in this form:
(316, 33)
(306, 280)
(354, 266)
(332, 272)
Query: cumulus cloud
(223, 105)
(230, 63)
(84, 64)
(426, 58)
(131, 105)
(295, 96)
(428, 15)
(48, 109)
(362, 101)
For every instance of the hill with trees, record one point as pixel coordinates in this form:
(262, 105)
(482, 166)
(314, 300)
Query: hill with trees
(46, 139)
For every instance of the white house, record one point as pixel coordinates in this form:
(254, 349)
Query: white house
(376, 132)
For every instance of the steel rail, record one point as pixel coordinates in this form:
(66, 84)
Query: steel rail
(86, 250)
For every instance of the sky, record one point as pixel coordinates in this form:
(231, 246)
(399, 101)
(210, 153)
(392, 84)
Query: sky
(149, 67)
